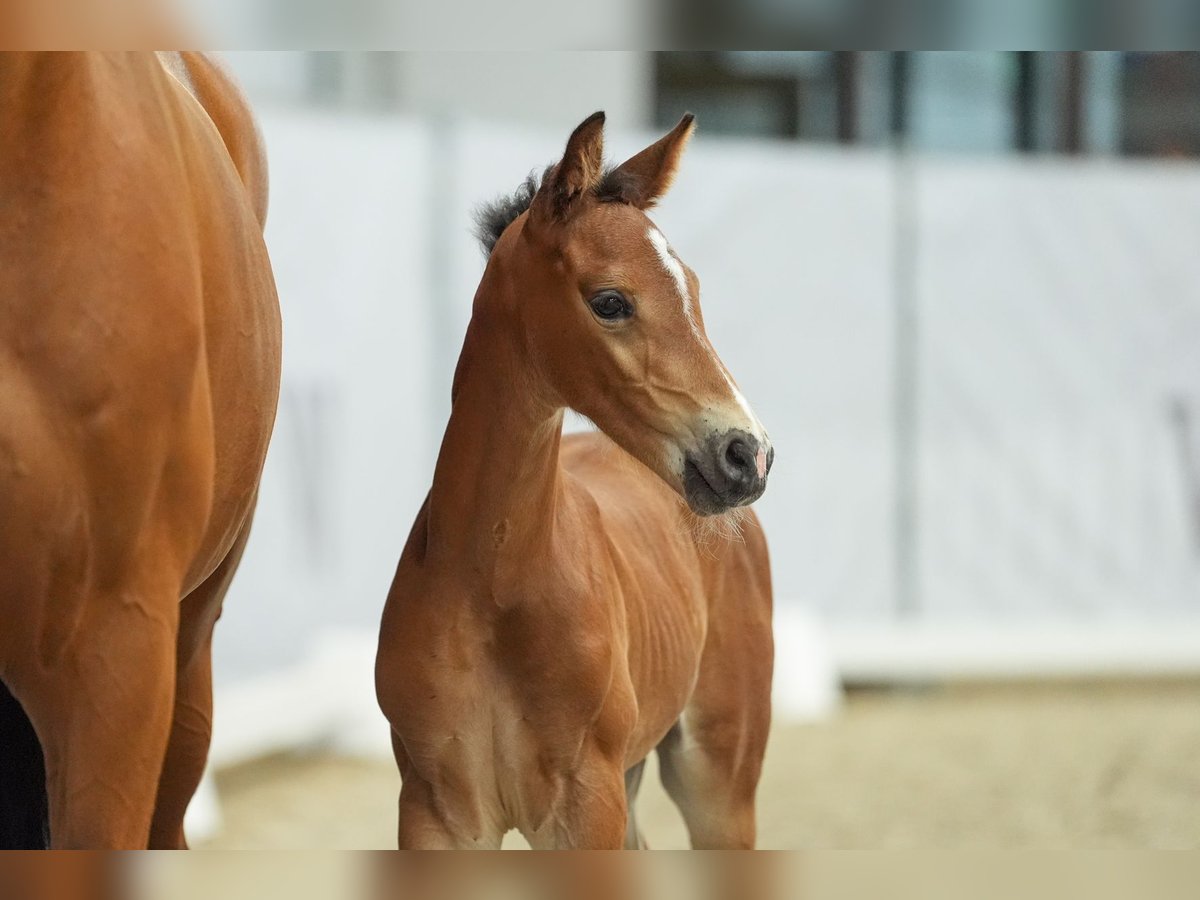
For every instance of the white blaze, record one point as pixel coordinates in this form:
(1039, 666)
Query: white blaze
(674, 268)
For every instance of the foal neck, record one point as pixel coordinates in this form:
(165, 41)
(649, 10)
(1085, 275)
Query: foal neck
(497, 480)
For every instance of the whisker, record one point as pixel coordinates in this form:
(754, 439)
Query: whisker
(707, 532)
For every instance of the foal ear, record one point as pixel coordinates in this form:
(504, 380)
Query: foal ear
(577, 173)
(644, 178)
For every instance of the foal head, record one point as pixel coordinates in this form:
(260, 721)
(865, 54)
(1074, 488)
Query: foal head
(610, 317)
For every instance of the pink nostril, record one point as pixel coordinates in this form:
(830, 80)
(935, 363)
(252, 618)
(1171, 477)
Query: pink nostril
(760, 462)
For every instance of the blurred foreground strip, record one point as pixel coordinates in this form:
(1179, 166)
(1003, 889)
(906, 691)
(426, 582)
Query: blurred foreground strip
(578, 876)
(935, 24)
(250, 875)
(91, 25)
(994, 875)
(574, 24)
(920, 875)
(458, 876)
(66, 876)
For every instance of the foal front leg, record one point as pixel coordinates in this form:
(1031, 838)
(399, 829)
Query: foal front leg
(423, 825)
(593, 813)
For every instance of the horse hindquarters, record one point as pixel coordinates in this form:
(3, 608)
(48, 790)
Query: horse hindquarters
(132, 430)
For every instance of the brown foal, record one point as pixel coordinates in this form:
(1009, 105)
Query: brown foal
(139, 372)
(558, 611)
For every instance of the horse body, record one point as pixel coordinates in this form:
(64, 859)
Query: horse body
(139, 358)
(556, 614)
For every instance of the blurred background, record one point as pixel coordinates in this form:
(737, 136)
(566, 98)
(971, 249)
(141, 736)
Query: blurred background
(961, 290)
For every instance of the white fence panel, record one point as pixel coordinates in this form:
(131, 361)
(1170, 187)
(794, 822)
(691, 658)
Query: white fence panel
(1060, 339)
(349, 238)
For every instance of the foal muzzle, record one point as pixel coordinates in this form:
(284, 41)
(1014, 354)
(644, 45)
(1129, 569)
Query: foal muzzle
(730, 470)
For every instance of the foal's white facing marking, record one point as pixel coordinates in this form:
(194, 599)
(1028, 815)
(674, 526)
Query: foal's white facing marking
(674, 268)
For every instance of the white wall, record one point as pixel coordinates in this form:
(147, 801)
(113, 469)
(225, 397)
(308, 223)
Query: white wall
(348, 464)
(531, 88)
(464, 25)
(1058, 311)
(524, 88)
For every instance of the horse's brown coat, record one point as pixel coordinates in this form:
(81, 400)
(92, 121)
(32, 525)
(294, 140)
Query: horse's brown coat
(557, 613)
(139, 373)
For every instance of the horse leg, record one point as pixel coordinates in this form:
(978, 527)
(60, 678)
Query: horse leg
(103, 713)
(191, 722)
(187, 751)
(594, 812)
(711, 759)
(712, 789)
(634, 840)
(421, 825)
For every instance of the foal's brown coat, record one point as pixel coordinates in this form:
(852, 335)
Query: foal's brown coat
(139, 371)
(557, 614)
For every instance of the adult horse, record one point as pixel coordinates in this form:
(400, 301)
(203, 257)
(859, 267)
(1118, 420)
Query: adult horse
(139, 373)
(557, 613)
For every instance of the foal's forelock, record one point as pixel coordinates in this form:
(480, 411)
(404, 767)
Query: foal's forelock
(493, 218)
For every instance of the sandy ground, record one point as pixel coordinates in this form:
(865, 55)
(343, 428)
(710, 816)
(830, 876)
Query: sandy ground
(1083, 766)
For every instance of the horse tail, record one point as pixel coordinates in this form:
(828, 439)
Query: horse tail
(24, 806)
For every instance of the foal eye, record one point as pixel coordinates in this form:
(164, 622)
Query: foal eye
(611, 306)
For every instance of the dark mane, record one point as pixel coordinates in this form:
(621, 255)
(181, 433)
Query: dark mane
(491, 219)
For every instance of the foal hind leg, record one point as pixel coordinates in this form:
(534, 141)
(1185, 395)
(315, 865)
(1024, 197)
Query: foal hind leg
(711, 785)
(191, 723)
(711, 759)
